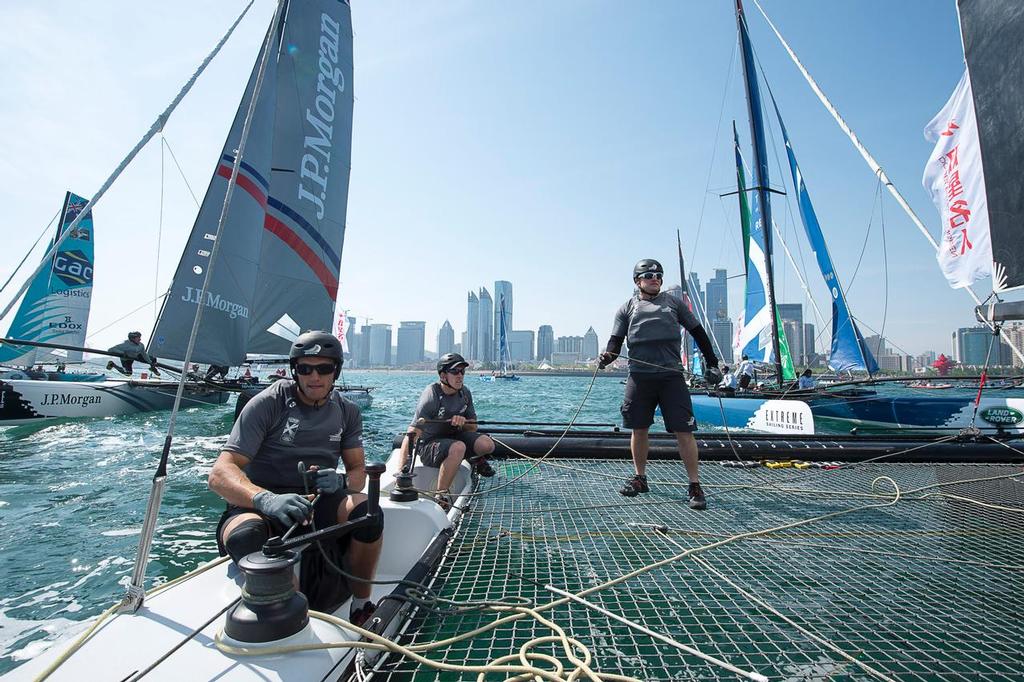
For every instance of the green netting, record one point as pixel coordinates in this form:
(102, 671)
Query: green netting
(930, 588)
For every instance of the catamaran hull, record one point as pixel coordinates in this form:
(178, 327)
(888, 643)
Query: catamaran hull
(868, 413)
(26, 401)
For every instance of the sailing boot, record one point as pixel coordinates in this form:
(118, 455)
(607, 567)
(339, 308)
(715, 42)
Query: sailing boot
(637, 484)
(696, 495)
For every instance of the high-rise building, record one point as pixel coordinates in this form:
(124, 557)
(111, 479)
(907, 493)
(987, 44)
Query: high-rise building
(569, 344)
(589, 348)
(471, 344)
(380, 345)
(1014, 334)
(502, 294)
(721, 332)
(545, 342)
(717, 297)
(464, 345)
(364, 345)
(696, 296)
(411, 340)
(445, 339)
(520, 345)
(485, 328)
(876, 344)
(971, 346)
(810, 351)
(792, 315)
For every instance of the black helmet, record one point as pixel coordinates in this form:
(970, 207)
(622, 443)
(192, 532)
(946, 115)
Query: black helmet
(450, 361)
(647, 265)
(316, 345)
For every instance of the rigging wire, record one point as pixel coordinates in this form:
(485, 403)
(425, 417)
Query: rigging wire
(159, 235)
(30, 249)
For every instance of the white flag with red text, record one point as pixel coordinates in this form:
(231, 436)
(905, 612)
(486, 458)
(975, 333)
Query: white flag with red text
(956, 181)
(340, 330)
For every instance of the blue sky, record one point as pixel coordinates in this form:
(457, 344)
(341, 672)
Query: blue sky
(551, 144)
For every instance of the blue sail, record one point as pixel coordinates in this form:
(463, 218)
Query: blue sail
(56, 305)
(849, 352)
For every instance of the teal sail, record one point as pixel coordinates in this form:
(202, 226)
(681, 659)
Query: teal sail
(849, 352)
(55, 308)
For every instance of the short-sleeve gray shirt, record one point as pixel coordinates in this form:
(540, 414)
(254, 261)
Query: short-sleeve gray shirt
(436, 404)
(277, 431)
(651, 329)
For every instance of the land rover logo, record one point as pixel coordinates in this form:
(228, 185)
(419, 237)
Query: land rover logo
(1002, 416)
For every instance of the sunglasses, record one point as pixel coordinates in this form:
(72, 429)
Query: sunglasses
(321, 369)
(650, 275)
(460, 370)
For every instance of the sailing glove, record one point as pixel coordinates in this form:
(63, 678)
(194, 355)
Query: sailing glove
(606, 358)
(329, 480)
(287, 508)
(713, 376)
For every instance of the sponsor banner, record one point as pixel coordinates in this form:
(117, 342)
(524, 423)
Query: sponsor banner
(783, 416)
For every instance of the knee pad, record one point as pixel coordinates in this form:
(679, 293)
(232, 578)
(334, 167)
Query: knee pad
(369, 533)
(248, 537)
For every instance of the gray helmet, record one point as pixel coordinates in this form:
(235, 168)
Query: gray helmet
(450, 361)
(647, 265)
(316, 345)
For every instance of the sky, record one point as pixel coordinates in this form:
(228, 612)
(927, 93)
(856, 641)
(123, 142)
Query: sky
(551, 144)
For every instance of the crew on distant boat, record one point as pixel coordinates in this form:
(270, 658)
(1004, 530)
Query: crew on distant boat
(806, 380)
(442, 436)
(747, 373)
(728, 380)
(217, 372)
(291, 421)
(133, 350)
(649, 322)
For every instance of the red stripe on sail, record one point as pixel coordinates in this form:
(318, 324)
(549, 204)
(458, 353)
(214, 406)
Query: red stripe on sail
(294, 241)
(246, 183)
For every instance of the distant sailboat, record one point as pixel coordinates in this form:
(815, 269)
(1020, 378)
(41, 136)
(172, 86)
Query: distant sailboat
(504, 372)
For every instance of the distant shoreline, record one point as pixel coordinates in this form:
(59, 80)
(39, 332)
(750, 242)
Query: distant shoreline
(526, 372)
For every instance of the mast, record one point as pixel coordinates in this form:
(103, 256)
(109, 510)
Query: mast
(760, 173)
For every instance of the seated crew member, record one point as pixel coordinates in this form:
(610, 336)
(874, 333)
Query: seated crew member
(134, 350)
(806, 380)
(650, 323)
(217, 372)
(301, 420)
(728, 380)
(443, 436)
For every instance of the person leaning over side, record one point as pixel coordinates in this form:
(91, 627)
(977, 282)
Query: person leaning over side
(134, 350)
(443, 436)
(650, 323)
(291, 421)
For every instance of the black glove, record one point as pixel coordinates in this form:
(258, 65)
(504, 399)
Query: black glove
(287, 508)
(713, 376)
(606, 358)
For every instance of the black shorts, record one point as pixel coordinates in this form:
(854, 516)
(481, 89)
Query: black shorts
(325, 513)
(644, 394)
(745, 380)
(433, 452)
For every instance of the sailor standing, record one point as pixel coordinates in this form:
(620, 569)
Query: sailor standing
(747, 373)
(650, 322)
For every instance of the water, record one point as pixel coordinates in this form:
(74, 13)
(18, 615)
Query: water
(73, 493)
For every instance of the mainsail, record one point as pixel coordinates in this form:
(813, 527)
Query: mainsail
(280, 246)
(992, 31)
(849, 352)
(55, 308)
(504, 354)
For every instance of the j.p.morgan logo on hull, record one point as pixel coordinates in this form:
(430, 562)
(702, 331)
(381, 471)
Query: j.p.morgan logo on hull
(68, 399)
(217, 302)
(783, 416)
(1002, 416)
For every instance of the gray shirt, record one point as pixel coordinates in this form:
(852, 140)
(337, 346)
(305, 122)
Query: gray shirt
(276, 431)
(436, 404)
(651, 329)
(134, 351)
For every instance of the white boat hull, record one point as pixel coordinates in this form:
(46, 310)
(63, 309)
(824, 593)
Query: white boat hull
(27, 401)
(125, 644)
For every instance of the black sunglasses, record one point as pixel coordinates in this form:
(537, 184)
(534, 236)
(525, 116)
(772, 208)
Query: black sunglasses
(650, 275)
(460, 370)
(321, 369)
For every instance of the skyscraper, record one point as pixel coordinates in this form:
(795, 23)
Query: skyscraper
(792, 315)
(545, 342)
(502, 292)
(589, 351)
(379, 345)
(445, 339)
(809, 346)
(721, 331)
(717, 297)
(411, 337)
(364, 345)
(485, 328)
(520, 345)
(471, 344)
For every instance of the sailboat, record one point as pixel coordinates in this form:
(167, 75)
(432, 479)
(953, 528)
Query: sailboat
(504, 372)
(783, 409)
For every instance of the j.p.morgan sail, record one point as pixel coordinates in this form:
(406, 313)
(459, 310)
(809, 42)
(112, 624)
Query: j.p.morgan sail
(280, 243)
(55, 308)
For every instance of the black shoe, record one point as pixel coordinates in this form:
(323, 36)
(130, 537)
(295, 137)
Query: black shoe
(637, 484)
(361, 615)
(696, 495)
(483, 467)
(110, 365)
